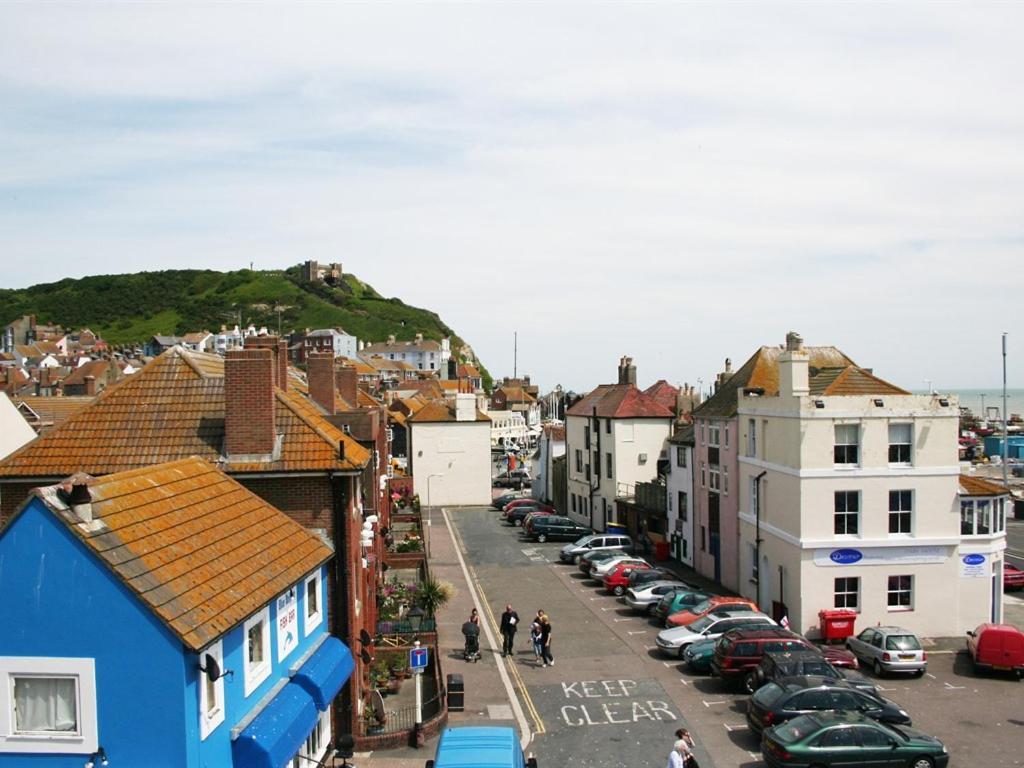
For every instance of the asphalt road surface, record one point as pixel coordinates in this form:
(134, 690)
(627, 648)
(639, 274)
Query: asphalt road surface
(613, 701)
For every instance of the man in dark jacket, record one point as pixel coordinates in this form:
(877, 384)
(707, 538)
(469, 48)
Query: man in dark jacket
(509, 624)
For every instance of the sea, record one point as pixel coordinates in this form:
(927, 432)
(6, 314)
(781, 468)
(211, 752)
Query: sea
(991, 398)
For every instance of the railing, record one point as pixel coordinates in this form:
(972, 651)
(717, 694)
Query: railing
(404, 627)
(404, 719)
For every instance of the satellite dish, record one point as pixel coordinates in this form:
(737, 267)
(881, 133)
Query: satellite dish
(365, 656)
(377, 702)
(364, 637)
(212, 668)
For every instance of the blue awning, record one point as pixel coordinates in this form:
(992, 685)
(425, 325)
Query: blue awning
(326, 671)
(277, 733)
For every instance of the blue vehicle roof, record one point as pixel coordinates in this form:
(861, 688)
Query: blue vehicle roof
(479, 747)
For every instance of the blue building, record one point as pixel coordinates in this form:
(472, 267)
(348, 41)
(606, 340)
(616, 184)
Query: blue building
(164, 616)
(1014, 446)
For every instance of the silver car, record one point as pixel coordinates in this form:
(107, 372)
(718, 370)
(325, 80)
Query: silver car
(674, 640)
(889, 649)
(646, 596)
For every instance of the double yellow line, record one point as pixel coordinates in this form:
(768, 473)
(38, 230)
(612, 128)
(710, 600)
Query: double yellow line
(538, 724)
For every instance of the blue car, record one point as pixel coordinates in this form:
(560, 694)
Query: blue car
(486, 747)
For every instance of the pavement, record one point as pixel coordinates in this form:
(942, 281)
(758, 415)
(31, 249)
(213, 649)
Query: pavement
(487, 700)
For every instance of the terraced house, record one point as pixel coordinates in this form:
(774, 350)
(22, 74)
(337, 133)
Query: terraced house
(240, 414)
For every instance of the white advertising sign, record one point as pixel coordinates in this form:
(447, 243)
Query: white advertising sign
(879, 555)
(975, 566)
(287, 623)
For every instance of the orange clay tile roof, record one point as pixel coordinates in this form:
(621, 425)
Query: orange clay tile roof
(439, 410)
(96, 369)
(849, 380)
(52, 411)
(514, 394)
(171, 409)
(620, 401)
(664, 393)
(979, 486)
(762, 370)
(201, 551)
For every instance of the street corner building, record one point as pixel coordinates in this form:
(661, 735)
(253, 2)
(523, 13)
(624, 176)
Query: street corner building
(164, 616)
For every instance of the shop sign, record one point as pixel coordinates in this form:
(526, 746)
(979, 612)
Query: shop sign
(847, 556)
(974, 566)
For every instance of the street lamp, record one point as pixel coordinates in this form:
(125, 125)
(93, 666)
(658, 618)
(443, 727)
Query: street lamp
(982, 406)
(429, 478)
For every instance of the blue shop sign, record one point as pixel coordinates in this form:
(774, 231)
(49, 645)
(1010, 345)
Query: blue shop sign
(845, 556)
(974, 559)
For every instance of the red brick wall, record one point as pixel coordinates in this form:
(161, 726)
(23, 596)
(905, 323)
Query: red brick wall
(249, 425)
(320, 375)
(347, 382)
(279, 349)
(13, 495)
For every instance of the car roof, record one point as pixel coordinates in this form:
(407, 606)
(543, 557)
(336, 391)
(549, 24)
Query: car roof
(890, 630)
(812, 681)
(755, 633)
(736, 615)
(476, 747)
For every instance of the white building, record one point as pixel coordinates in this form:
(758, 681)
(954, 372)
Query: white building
(550, 446)
(423, 354)
(14, 430)
(849, 498)
(450, 452)
(614, 436)
(333, 340)
(508, 428)
(679, 493)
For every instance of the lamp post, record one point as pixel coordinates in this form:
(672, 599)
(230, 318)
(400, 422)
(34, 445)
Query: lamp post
(982, 406)
(429, 478)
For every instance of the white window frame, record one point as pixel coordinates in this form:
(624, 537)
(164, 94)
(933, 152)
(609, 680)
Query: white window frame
(715, 478)
(899, 512)
(909, 591)
(837, 444)
(714, 435)
(909, 444)
(846, 515)
(86, 739)
(752, 438)
(260, 671)
(314, 748)
(846, 593)
(314, 620)
(208, 722)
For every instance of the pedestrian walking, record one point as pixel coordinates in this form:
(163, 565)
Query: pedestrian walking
(677, 758)
(475, 618)
(509, 625)
(689, 761)
(545, 643)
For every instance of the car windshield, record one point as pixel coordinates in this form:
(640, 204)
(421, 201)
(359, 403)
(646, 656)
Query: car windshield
(902, 643)
(768, 694)
(702, 606)
(581, 541)
(703, 623)
(796, 729)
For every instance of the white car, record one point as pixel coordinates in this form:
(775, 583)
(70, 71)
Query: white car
(646, 596)
(674, 641)
(598, 572)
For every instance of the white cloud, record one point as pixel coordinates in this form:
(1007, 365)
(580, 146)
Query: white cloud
(676, 182)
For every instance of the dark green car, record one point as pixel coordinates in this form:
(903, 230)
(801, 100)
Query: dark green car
(850, 740)
(698, 656)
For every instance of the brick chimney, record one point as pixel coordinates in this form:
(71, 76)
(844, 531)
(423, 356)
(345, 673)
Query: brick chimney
(90, 386)
(250, 429)
(347, 382)
(320, 374)
(279, 348)
(794, 368)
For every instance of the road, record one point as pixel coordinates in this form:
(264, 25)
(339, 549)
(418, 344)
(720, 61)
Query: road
(612, 700)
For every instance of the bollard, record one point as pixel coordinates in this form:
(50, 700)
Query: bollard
(456, 693)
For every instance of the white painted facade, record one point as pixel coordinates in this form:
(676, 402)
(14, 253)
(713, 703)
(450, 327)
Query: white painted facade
(507, 427)
(454, 457)
(549, 448)
(679, 497)
(14, 430)
(606, 458)
(893, 569)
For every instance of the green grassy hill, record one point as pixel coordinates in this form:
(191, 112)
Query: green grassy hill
(127, 309)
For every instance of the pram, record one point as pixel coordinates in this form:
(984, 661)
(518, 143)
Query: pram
(472, 634)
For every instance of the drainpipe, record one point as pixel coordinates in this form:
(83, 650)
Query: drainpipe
(757, 536)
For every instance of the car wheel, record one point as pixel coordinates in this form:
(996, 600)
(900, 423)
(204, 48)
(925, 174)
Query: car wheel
(542, 537)
(918, 673)
(878, 668)
(618, 591)
(682, 650)
(517, 522)
(922, 762)
(750, 682)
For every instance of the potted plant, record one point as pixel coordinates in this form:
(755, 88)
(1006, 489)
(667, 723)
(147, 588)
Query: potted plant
(434, 594)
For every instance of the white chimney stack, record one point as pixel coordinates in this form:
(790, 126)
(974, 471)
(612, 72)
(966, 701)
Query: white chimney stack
(794, 368)
(465, 407)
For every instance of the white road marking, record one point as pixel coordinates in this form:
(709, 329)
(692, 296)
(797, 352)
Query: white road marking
(666, 663)
(731, 728)
(954, 687)
(618, 620)
(710, 703)
(929, 675)
(638, 632)
(684, 681)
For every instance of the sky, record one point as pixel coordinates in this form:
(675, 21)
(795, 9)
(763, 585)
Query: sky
(677, 182)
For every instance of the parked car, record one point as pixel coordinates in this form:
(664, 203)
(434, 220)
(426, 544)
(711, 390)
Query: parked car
(516, 478)
(637, 578)
(526, 501)
(830, 739)
(516, 515)
(617, 579)
(698, 655)
(738, 652)
(591, 559)
(997, 647)
(505, 498)
(556, 528)
(677, 601)
(775, 666)
(673, 641)
(790, 697)
(571, 553)
(691, 614)
(1013, 577)
(598, 570)
(889, 649)
(644, 597)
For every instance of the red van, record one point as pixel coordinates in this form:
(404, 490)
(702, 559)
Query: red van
(997, 647)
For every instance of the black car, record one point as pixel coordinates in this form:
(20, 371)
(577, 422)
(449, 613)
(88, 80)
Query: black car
(791, 697)
(515, 515)
(556, 528)
(506, 498)
(779, 664)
